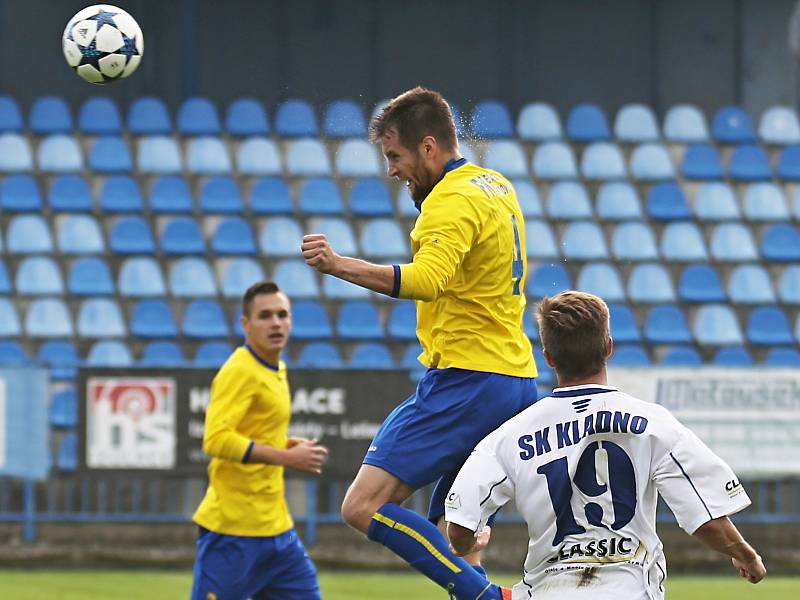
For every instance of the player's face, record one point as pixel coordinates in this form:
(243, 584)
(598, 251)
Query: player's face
(408, 166)
(268, 325)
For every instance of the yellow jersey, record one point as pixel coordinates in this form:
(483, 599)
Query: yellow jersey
(468, 274)
(250, 402)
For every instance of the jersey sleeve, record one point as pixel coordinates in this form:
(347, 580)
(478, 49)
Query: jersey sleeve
(231, 398)
(697, 484)
(446, 230)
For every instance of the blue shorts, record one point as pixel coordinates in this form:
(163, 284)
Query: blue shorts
(234, 567)
(429, 436)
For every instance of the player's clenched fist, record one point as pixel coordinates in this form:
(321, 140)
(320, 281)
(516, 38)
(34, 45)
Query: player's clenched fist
(318, 253)
(306, 455)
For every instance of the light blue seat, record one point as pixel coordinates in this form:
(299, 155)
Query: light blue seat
(100, 318)
(587, 123)
(204, 319)
(733, 357)
(716, 325)
(211, 355)
(788, 167)
(667, 202)
(601, 279)
(780, 243)
(38, 276)
(320, 196)
(731, 125)
(64, 408)
(554, 160)
(650, 284)
(344, 119)
(47, 318)
(765, 202)
(528, 198)
(769, 326)
(782, 357)
(402, 323)
(198, 116)
(233, 236)
(307, 158)
(90, 276)
(162, 355)
(339, 233)
(623, 324)
(634, 241)
(568, 200)
(280, 236)
(208, 156)
(296, 279)
(20, 193)
(339, 289)
(295, 118)
(28, 234)
(221, 195)
(779, 125)
(548, 280)
(238, 275)
(603, 160)
(9, 319)
(683, 242)
(702, 162)
(357, 158)
(716, 202)
(370, 198)
(382, 238)
(153, 319)
(159, 155)
(506, 156)
(405, 204)
(789, 285)
(67, 457)
(750, 284)
(131, 235)
(109, 353)
(371, 356)
(651, 162)
(271, 196)
(358, 320)
(636, 123)
(630, 355)
(468, 151)
(259, 156)
(681, 356)
(539, 240)
(141, 277)
(584, 240)
(666, 324)
(491, 119)
(618, 201)
(182, 235)
(191, 278)
(10, 115)
(120, 194)
(749, 163)
(310, 321)
(170, 194)
(700, 283)
(50, 114)
(320, 355)
(246, 117)
(99, 115)
(110, 154)
(15, 153)
(61, 357)
(149, 116)
(733, 242)
(59, 154)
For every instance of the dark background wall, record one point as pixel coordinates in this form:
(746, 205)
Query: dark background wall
(708, 52)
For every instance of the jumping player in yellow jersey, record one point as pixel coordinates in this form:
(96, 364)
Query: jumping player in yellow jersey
(247, 546)
(467, 276)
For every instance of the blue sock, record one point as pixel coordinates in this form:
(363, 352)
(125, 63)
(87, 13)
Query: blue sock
(420, 543)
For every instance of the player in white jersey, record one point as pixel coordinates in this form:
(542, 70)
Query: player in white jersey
(585, 466)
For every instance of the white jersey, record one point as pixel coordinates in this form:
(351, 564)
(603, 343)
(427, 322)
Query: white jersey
(585, 467)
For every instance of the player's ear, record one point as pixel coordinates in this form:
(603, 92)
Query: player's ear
(429, 146)
(244, 322)
(610, 349)
(550, 362)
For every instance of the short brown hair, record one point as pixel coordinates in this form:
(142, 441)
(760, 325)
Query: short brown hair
(575, 329)
(258, 288)
(415, 114)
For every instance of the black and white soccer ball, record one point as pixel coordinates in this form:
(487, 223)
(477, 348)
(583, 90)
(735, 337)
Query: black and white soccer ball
(103, 43)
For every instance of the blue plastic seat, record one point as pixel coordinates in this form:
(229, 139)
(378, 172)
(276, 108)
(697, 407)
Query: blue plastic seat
(618, 201)
(491, 119)
(584, 240)
(149, 116)
(528, 198)
(191, 277)
(631, 355)
(339, 289)
(402, 323)
(344, 119)
(405, 204)
(198, 116)
(208, 156)
(781, 243)
(20, 193)
(47, 318)
(357, 158)
(749, 163)
(769, 326)
(700, 283)
(10, 115)
(131, 235)
(716, 202)
(28, 234)
(554, 160)
(280, 236)
(731, 125)
(651, 284)
(623, 324)
(789, 285)
(667, 202)
(110, 154)
(750, 284)
(371, 356)
(5, 281)
(382, 238)
(601, 279)
(410, 358)
(765, 202)
(539, 122)
(50, 114)
(568, 200)
(246, 117)
(788, 167)
(170, 194)
(681, 356)
(506, 156)
(716, 325)
(779, 125)
(109, 353)
(320, 196)
(100, 318)
(310, 321)
(539, 240)
(90, 277)
(733, 242)
(651, 162)
(296, 118)
(271, 196)
(358, 320)
(99, 116)
(13, 355)
(69, 193)
(15, 153)
(370, 198)
(120, 194)
(153, 319)
(683, 242)
(603, 160)
(587, 123)
(319, 355)
(666, 324)
(182, 235)
(59, 154)
(61, 357)
(221, 195)
(782, 357)
(338, 231)
(67, 457)
(702, 162)
(636, 123)
(634, 241)
(307, 158)
(238, 275)
(162, 355)
(9, 319)
(211, 355)
(259, 156)
(233, 236)
(159, 155)
(296, 279)
(733, 357)
(64, 408)
(38, 276)
(204, 319)
(548, 280)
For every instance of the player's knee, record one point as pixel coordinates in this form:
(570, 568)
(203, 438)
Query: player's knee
(356, 514)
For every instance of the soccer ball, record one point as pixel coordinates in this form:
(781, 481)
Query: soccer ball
(103, 43)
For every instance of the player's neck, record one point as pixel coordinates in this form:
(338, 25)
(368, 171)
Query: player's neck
(600, 378)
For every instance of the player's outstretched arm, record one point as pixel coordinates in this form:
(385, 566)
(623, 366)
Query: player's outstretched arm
(318, 253)
(721, 535)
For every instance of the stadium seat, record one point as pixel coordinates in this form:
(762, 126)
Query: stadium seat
(310, 321)
(320, 196)
(749, 163)
(634, 241)
(182, 235)
(568, 200)
(554, 160)
(233, 236)
(507, 157)
(702, 162)
(750, 284)
(731, 125)
(221, 195)
(120, 194)
(402, 323)
(159, 155)
(153, 319)
(623, 324)
(319, 355)
(28, 234)
(90, 277)
(69, 193)
(100, 318)
(67, 457)
(50, 114)
(338, 231)
(547, 280)
(296, 118)
(683, 242)
(618, 201)
(344, 119)
(769, 326)
(109, 353)
(529, 326)
(246, 117)
(259, 156)
(681, 356)
(666, 324)
(9, 319)
(208, 156)
(666, 202)
(110, 154)
(467, 151)
(59, 154)
(382, 238)
(307, 158)
(651, 162)
(13, 355)
(64, 408)
(716, 202)
(636, 123)
(765, 202)
(20, 193)
(587, 123)
(131, 235)
(99, 115)
(601, 279)
(491, 119)
(779, 126)
(358, 320)
(61, 357)
(280, 236)
(5, 281)
(410, 359)
(296, 279)
(528, 197)
(191, 278)
(198, 116)
(733, 357)
(46, 318)
(371, 356)
(631, 355)
(733, 242)
(10, 115)
(339, 289)
(38, 276)
(170, 194)
(782, 357)
(79, 234)
(15, 153)
(370, 198)
(149, 116)
(539, 241)
(270, 196)
(211, 355)
(405, 205)
(781, 243)
(583, 240)
(603, 160)
(357, 158)
(239, 274)
(204, 319)
(716, 325)
(162, 355)
(788, 167)
(789, 285)
(700, 283)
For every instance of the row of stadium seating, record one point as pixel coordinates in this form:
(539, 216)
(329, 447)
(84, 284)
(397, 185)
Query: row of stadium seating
(344, 118)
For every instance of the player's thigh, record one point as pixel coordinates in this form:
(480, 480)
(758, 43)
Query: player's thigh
(222, 568)
(293, 577)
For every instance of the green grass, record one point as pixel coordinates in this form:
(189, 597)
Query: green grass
(166, 585)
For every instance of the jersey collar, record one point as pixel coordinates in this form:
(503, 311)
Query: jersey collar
(269, 365)
(450, 165)
(581, 390)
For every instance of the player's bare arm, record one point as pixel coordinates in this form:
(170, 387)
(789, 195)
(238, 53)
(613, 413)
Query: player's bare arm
(463, 541)
(721, 535)
(306, 456)
(319, 254)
